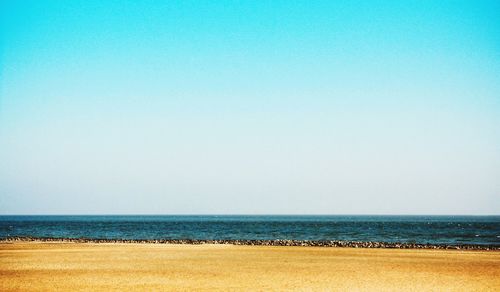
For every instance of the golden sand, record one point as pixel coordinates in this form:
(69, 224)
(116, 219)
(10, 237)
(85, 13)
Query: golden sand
(73, 266)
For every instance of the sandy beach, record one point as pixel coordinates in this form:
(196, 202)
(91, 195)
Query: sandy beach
(31, 266)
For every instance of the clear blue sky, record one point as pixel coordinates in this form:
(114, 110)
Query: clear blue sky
(250, 107)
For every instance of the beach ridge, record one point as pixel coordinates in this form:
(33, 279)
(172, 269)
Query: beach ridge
(261, 242)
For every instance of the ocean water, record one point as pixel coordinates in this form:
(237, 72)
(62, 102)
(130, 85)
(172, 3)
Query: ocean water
(484, 230)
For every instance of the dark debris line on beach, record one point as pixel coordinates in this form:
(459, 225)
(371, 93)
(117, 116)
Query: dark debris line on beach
(276, 242)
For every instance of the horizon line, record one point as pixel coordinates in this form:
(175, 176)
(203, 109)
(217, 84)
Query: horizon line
(246, 214)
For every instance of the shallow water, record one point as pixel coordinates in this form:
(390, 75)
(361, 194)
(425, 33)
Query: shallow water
(414, 229)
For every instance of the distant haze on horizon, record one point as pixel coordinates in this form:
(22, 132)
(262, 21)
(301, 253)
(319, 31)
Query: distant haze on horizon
(250, 107)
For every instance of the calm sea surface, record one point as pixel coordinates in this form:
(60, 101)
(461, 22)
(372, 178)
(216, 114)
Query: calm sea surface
(417, 229)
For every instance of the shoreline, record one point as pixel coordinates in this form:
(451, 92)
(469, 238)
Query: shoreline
(258, 242)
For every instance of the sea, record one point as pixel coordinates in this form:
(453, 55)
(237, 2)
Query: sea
(451, 230)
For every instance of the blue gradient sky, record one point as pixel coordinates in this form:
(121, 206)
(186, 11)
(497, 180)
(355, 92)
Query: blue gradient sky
(254, 107)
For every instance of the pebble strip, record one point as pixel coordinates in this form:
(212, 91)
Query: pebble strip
(258, 242)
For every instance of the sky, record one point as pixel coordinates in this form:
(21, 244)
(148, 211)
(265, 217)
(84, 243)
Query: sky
(249, 107)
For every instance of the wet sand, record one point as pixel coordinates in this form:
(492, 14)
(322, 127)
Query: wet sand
(30, 266)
